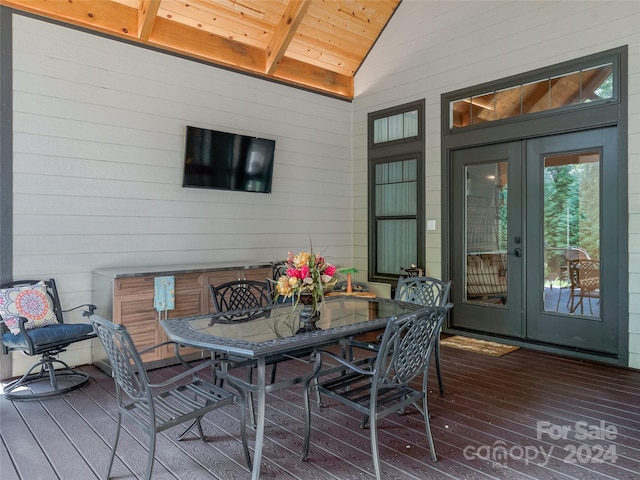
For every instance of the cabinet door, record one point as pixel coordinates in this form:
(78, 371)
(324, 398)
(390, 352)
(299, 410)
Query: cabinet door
(188, 303)
(136, 312)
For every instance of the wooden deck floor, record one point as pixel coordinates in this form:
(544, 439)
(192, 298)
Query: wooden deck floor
(500, 418)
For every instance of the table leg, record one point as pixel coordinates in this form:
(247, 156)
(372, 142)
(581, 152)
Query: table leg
(260, 413)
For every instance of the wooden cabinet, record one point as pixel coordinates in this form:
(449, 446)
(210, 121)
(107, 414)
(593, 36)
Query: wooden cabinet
(126, 297)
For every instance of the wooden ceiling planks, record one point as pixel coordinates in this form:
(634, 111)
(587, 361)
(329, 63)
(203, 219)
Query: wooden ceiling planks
(314, 44)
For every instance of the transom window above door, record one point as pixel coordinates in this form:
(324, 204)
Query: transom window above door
(573, 87)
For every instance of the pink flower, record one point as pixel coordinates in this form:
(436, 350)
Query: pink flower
(304, 271)
(293, 272)
(330, 270)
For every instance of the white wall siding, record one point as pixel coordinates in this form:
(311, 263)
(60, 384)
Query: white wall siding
(99, 131)
(430, 48)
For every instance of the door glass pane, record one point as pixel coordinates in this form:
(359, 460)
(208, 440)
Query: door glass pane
(572, 233)
(486, 233)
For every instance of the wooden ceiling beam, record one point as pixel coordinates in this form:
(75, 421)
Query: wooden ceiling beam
(110, 17)
(147, 15)
(305, 74)
(192, 41)
(284, 33)
(312, 44)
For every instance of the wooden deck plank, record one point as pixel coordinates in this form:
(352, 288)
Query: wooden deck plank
(7, 468)
(60, 434)
(26, 454)
(487, 401)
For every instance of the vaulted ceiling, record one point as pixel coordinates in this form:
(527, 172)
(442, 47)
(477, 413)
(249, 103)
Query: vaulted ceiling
(315, 44)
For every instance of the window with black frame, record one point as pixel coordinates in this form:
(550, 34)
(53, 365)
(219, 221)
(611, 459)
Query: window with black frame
(396, 190)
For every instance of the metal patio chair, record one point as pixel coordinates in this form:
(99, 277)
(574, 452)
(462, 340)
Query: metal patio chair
(426, 291)
(569, 255)
(157, 407)
(584, 276)
(242, 301)
(379, 386)
(33, 323)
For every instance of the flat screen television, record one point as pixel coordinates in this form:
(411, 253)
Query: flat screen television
(227, 161)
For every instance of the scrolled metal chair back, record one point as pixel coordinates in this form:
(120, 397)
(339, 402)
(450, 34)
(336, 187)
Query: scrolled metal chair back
(245, 298)
(128, 370)
(427, 291)
(406, 347)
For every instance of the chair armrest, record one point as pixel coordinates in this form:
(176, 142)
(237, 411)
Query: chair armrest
(182, 361)
(351, 366)
(188, 373)
(90, 309)
(21, 323)
(153, 347)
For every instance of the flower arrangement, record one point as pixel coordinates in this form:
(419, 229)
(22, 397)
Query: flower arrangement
(307, 277)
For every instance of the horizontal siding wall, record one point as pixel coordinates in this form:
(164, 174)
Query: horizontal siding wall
(430, 48)
(99, 132)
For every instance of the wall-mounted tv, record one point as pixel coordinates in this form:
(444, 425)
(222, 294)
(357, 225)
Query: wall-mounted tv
(227, 161)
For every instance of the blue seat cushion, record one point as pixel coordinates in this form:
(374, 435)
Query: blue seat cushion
(51, 334)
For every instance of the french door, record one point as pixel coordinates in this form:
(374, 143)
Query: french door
(534, 229)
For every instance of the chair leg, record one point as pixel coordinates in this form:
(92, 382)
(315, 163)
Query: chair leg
(307, 420)
(196, 423)
(437, 354)
(375, 451)
(243, 426)
(252, 412)
(427, 423)
(152, 453)
(115, 446)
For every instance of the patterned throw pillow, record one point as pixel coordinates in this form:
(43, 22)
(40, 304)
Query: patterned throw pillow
(30, 301)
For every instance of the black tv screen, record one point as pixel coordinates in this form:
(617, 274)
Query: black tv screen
(227, 161)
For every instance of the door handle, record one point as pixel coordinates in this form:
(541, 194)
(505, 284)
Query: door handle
(517, 252)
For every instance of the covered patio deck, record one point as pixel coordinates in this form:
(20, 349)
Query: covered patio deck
(525, 415)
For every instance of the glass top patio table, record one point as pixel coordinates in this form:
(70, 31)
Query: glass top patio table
(276, 336)
(277, 332)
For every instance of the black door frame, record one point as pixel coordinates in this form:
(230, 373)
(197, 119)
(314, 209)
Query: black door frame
(613, 113)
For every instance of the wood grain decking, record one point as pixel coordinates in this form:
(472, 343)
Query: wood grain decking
(500, 418)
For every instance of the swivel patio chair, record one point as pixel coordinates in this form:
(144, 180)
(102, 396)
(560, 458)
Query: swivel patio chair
(157, 407)
(380, 386)
(426, 291)
(33, 323)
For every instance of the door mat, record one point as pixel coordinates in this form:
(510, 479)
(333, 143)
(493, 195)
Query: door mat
(484, 347)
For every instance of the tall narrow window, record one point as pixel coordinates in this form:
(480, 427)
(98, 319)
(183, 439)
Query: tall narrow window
(396, 191)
